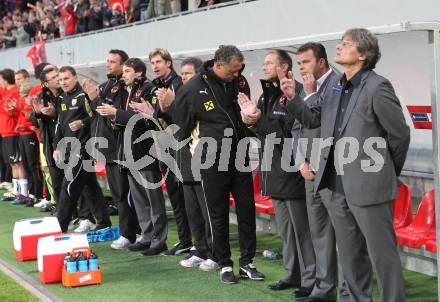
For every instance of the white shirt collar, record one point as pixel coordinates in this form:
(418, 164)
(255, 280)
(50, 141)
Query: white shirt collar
(321, 80)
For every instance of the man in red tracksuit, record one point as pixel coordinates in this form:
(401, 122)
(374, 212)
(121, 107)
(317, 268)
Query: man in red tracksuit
(28, 144)
(8, 123)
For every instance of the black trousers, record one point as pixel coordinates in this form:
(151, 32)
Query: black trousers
(217, 186)
(177, 199)
(118, 182)
(5, 168)
(81, 207)
(71, 191)
(56, 176)
(199, 222)
(29, 150)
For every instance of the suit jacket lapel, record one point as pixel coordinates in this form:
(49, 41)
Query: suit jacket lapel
(353, 100)
(330, 104)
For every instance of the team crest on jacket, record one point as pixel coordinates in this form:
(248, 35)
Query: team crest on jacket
(74, 101)
(114, 89)
(282, 101)
(138, 93)
(242, 83)
(209, 105)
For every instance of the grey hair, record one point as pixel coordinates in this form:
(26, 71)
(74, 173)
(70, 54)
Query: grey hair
(366, 44)
(225, 53)
(196, 62)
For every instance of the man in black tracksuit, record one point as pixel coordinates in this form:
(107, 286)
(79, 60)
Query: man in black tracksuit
(168, 81)
(149, 202)
(275, 129)
(113, 92)
(208, 104)
(202, 254)
(44, 117)
(74, 122)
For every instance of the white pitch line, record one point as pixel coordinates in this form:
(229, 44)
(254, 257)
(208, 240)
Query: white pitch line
(28, 283)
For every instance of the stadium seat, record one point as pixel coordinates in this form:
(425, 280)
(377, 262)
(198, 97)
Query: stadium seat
(231, 201)
(402, 208)
(422, 228)
(100, 169)
(263, 204)
(431, 246)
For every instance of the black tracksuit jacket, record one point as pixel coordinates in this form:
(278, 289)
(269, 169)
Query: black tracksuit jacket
(204, 104)
(111, 92)
(276, 182)
(47, 124)
(142, 91)
(74, 105)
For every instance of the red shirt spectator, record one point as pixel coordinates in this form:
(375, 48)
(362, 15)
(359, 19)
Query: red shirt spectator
(69, 18)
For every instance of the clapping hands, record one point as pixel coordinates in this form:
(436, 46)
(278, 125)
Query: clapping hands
(250, 114)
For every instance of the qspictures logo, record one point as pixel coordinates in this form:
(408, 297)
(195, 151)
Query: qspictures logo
(368, 156)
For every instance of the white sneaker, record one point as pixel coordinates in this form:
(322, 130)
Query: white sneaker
(192, 261)
(43, 202)
(73, 224)
(209, 266)
(6, 185)
(120, 244)
(84, 226)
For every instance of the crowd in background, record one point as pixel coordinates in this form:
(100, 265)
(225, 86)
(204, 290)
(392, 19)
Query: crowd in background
(24, 21)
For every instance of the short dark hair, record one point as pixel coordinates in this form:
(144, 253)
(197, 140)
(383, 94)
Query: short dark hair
(39, 68)
(163, 53)
(367, 45)
(283, 57)
(23, 72)
(69, 69)
(122, 54)
(318, 51)
(8, 75)
(43, 75)
(196, 62)
(137, 65)
(225, 53)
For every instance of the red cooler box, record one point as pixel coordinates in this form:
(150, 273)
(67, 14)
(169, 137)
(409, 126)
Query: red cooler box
(27, 232)
(51, 253)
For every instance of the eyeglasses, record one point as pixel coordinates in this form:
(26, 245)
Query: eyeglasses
(345, 43)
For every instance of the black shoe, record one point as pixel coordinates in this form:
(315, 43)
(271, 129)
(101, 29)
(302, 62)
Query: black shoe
(250, 271)
(30, 202)
(281, 285)
(227, 275)
(314, 299)
(48, 208)
(302, 292)
(138, 246)
(153, 251)
(178, 249)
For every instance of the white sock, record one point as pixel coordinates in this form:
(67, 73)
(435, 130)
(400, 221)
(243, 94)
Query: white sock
(15, 186)
(23, 183)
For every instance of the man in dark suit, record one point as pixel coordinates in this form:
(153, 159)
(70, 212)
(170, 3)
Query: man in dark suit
(318, 79)
(367, 140)
(273, 126)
